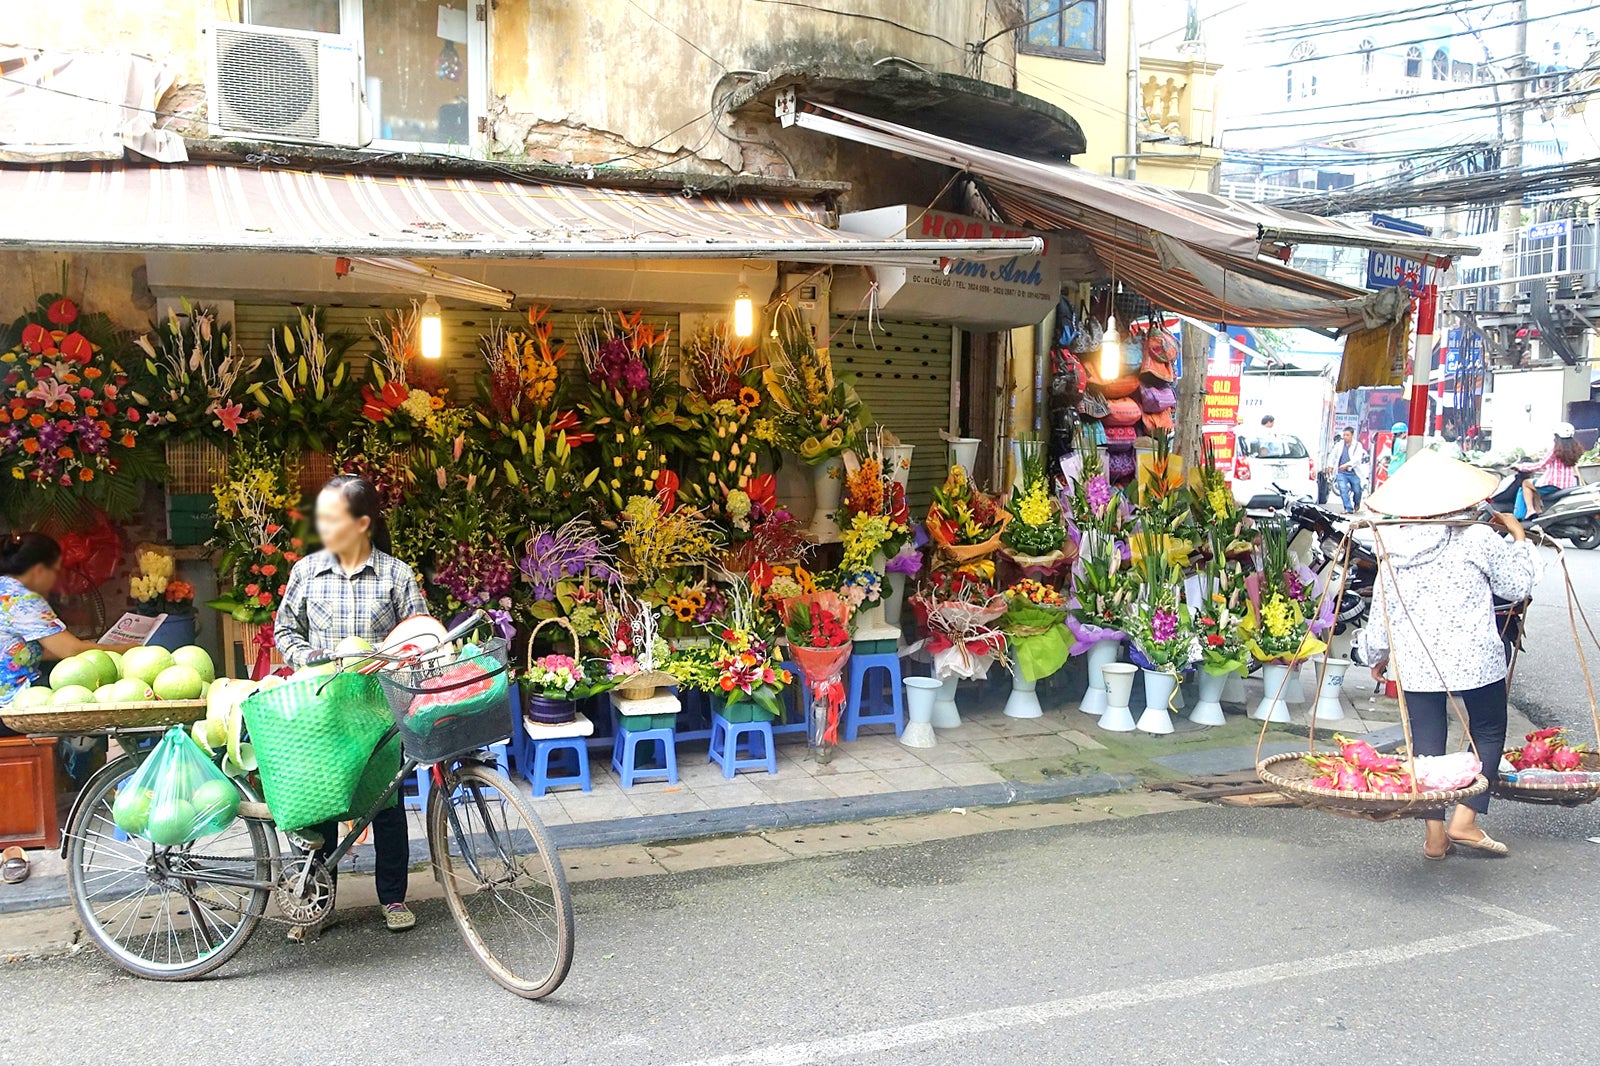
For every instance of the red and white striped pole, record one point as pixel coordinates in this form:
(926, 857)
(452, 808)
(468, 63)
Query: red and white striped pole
(1422, 363)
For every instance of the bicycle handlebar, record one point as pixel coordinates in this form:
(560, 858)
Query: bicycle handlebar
(468, 624)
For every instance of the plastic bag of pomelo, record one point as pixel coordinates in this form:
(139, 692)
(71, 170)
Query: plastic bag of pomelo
(177, 794)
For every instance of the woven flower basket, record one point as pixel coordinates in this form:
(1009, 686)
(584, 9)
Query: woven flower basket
(1290, 775)
(642, 686)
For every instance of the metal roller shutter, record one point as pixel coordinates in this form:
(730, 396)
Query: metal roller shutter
(902, 371)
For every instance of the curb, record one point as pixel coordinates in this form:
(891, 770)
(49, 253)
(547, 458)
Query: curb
(43, 893)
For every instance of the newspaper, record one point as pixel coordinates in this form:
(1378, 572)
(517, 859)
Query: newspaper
(133, 629)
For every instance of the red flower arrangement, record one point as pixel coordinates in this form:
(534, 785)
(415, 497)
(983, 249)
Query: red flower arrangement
(70, 421)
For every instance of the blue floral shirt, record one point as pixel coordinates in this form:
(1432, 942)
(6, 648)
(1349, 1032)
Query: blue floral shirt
(25, 620)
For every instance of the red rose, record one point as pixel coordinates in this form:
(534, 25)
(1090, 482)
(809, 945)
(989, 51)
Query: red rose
(265, 599)
(62, 312)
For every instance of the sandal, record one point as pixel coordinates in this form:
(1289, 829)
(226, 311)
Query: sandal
(1484, 843)
(15, 867)
(1441, 856)
(398, 917)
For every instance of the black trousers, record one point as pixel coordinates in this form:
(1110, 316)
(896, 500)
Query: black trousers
(391, 847)
(1486, 721)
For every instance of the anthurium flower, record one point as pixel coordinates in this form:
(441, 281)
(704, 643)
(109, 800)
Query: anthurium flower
(62, 312)
(35, 337)
(76, 346)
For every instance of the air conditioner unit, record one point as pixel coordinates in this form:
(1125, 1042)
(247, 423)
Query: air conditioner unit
(284, 85)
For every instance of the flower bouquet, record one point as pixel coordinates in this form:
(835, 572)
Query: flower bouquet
(71, 421)
(554, 682)
(198, 376)
(749, 677)
(476, 575)
(1034, 543)
(964, 523)
(1094, 503)
(561, 568)
(1035, 624)
(1216, 511)
(817, 415)
(730, 437)
(307, 394)
(259, 532)
(397, 407)
(1103, 591)
(1282, 622)
(154, 590)
(636, 655)
(760, 530)
(631, 402)
(1219, 615)
(961, 615)
(817, 626)
(1160, 632)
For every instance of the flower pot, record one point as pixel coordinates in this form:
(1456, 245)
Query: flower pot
(1158, 688)
(1024, 700)
(920, 694)
(1329, 707)
(1233, 690)
(1119, 686)
(175, 632)
(1101, 652)
(964, 453)
(1208, 708)
(550, 711)
(945, 714)
(894, 597)
(827, 484)
(1275, 681)
(897, 463)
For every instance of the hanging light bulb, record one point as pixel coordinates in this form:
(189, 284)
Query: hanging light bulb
(744, 310)
(430, 329)
(1111, 351)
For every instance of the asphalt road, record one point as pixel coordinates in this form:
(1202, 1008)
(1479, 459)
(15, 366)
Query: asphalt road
(1548, 681)
(1217, 936)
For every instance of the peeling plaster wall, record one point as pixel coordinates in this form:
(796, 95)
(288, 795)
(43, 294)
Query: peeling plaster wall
(113, 284)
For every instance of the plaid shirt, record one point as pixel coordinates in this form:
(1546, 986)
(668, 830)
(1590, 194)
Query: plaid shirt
(323, 605)
(1553, 473)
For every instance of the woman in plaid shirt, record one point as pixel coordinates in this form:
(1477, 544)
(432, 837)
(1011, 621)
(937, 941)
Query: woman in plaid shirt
(1557, 470)
(353, 588)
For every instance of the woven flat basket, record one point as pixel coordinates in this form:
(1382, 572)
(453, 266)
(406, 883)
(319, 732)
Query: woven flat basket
(1554, 795)
(642, 686)
(1290, 775)
(91, 717)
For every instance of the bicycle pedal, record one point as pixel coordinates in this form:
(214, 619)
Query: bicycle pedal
(305, 841)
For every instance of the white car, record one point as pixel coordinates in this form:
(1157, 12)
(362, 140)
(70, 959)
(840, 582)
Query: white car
(1267, 459)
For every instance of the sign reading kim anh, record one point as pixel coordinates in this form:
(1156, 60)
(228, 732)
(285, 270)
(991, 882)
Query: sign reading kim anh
(993, 293)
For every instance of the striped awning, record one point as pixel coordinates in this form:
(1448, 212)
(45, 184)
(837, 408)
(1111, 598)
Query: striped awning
(1201, 255)
(210, 208)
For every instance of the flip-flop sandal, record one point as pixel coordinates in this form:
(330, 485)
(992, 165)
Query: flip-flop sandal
(1439, 857)
(14, 866)
(1485, 843)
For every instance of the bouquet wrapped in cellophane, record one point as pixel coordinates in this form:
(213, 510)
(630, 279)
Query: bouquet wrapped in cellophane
(961, 615)
(1035, 624)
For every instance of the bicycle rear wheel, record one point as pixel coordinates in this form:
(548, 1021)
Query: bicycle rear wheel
(136, 903)
(503, 880)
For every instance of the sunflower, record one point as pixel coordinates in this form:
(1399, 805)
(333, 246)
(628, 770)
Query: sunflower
(749, 397)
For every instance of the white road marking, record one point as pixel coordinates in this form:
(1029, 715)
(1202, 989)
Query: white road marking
(1512, 926)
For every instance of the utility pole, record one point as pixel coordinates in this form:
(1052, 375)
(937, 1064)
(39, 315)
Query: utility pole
(1511, 155)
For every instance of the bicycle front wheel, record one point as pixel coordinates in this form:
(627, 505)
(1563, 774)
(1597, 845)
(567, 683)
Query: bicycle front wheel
(150, 909)
(503, 880)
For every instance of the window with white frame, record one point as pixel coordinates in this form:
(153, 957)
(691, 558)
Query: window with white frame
(426, 62)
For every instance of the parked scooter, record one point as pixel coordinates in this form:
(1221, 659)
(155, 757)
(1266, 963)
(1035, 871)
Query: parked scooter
(1571, 514)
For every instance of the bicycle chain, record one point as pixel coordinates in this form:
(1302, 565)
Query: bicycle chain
(223, 906)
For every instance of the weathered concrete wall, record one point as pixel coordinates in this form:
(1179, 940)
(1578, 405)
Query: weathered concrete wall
(1096, 94)
(113, 284)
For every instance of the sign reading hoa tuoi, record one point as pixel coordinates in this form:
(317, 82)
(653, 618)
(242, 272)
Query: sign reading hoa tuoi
(993, 293)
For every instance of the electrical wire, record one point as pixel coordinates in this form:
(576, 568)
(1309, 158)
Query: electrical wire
(720, 64)
(1495, 186)
(1370, 20)
(1478, 86)
(863, 15)
(1571, 94)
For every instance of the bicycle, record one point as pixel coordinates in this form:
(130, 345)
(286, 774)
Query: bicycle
(178, 913)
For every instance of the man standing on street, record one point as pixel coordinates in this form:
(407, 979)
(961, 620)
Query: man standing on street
(1350, 461)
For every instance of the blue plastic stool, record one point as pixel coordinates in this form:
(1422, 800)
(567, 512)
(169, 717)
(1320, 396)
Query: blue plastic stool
(796, 702)
(726, 738)
(569, 756)
(424, 776)
(625, 755)
(864, 706)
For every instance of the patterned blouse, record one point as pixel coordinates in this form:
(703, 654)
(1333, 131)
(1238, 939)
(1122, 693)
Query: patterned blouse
(25, 620)
(1439, 600)
(1553, 473)
(323, 605)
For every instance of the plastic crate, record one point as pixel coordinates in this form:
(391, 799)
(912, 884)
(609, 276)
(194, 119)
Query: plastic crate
(635, 723)
(191, 518)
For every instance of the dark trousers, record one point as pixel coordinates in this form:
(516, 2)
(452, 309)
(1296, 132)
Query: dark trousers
(391, 849)
(1486, 721)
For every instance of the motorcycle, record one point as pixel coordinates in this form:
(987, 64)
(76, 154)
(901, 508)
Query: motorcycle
(1316, 538)
(1570, 514)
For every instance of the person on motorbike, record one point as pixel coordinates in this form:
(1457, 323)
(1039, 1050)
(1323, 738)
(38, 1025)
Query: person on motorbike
(1433, 615)
(1397, 450)
(1349, 460)
(353, 588)
(1556, 471)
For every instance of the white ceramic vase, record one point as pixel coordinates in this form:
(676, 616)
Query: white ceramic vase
(1158, 686)
(945, 713)
(1101, 652)
(920, 694)
(898, 460)
(1330, 708)
(964, 453)
(1233, 690)
(1275, 682)
(827, 485)
(1208, 708)
(1119, 687)
(1024, 699)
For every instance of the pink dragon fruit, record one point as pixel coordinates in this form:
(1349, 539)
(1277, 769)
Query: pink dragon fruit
(1325, 781)
(1350, 780)
(1536, 754)
(1359, 753)
(1566, 759)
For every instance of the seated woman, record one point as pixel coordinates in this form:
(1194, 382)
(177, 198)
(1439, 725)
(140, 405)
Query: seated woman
(1556, 471)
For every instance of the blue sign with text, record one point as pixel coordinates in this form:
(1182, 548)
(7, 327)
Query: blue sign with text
(1385, 270)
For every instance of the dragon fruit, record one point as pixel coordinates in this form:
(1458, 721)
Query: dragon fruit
(1446, 772)
(1536, 753)
(1349, 779)
(1325, 781)
(1359, 753)
(1566, 759)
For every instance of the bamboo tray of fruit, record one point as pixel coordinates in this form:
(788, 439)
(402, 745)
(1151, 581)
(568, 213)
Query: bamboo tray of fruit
(145, 687)
(73, 718)
(1558, 772)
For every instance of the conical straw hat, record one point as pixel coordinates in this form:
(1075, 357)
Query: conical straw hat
(1429, 485)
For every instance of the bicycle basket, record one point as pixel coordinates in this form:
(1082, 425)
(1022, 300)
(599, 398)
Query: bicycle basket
(449, 705)
(313, 739)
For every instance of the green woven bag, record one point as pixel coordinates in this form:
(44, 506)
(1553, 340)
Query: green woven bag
(313, 740)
